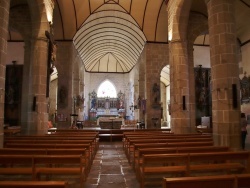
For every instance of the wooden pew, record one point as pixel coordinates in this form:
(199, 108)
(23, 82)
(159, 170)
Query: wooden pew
(33, 184)
(62, 139)
(37, 165)
(128, 142)
(169, 145)
(50, 151)
(88, 147)
(228, 181)
(144, 151)
(154, 166)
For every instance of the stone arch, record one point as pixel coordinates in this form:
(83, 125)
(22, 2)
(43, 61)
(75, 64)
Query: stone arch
(178, 18)
(20, 20)
(198, 24)
(37, 11)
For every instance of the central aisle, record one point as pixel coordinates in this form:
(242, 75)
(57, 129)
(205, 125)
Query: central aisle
(111, 169)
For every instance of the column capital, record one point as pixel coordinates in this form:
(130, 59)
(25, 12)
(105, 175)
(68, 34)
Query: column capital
(177, 41)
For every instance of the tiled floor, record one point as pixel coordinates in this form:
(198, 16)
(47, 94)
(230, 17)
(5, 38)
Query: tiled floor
(111, 168)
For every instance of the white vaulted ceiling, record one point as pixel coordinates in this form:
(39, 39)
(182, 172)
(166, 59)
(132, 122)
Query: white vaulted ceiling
(110, 34)
(109, 41)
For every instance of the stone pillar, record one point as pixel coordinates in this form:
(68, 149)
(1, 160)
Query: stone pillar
(26, 88)
(192, 104)
(157, 59)
(38, 113)
(179, 87)
(65, 82)
(142, 94)
(4, 19)
(225, 73)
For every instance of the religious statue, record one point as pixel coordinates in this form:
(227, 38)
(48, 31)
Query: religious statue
(121, 100)
(93, 103)
(93, 98)
(156, 93)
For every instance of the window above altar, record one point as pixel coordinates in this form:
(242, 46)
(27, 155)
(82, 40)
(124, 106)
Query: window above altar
(106, 89)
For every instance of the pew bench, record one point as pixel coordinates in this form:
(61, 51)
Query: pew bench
(157, 134)
(228, 181)
(131, 153)
(37, 165)
(130, 140)
(54, 139)
(133, 143)
(33, 184)
(144, 151)
(156, 166)
(51, 151)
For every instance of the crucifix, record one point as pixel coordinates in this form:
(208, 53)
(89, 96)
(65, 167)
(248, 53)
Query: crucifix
(51, 56)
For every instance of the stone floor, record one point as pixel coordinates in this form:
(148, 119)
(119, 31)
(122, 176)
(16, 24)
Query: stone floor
(111, 168)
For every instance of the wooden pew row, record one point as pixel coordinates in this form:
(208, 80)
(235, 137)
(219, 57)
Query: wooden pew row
(131, 154)
(11, 142)
(93, 140)
(33, 184)
(155, 166)
(52, 151)
(149, 133)
(228, 181)
(127, 140)
(38, 165)
(94, 137)
(135, 144)
(53, 146)
(128, 143)
(144, 151)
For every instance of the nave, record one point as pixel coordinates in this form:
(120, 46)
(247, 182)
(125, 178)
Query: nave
(110, 168)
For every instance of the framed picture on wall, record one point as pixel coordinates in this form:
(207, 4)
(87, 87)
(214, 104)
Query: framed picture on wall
(61, 117)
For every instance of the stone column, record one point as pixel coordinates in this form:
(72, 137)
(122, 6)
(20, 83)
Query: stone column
(26, 88)
(141, 81)
(157, 59)
(192, 104)
(38, 113)
(179, 87)
(4, 21)
(65, 82)
(225, 73)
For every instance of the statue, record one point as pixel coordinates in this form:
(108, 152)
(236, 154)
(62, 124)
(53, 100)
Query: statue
(93, 97)
(93, 103)
(156, 93)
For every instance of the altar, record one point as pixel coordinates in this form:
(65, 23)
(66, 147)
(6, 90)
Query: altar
(110, 122)
(106, 106)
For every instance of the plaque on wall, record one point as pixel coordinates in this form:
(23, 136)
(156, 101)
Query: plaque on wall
(61, 117)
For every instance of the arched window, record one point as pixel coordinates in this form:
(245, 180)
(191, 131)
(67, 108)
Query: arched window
(106, 89)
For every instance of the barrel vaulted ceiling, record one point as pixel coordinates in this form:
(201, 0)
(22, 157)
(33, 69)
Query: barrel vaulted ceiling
(110, 34)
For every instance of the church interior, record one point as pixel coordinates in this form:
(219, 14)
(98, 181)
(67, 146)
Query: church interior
(125, 93)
